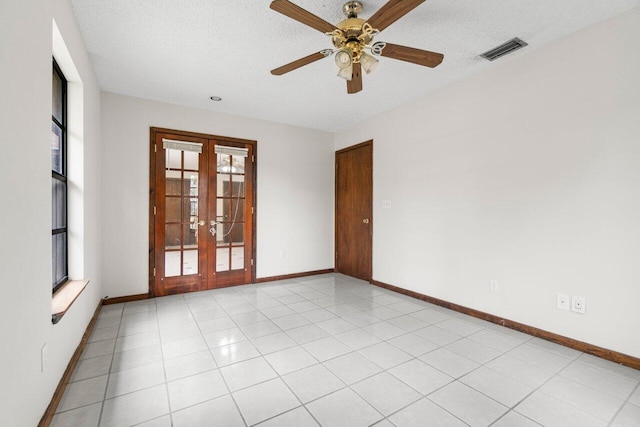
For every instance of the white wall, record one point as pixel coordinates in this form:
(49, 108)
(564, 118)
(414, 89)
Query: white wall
(25, 270)
(295, 189)
(528, 174)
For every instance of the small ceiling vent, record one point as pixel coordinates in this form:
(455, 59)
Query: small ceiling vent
(504, 49)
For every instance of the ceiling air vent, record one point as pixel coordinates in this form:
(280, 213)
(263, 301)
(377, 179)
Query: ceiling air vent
(504, 49)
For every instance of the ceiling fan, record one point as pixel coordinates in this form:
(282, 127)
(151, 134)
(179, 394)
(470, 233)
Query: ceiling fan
(353, 37)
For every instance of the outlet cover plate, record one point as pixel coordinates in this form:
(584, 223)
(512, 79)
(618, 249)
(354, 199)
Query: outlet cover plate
(563, 302)
(578, 304)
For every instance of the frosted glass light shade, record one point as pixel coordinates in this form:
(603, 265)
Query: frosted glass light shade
(346, 73)
(369, 63)
(343, 58)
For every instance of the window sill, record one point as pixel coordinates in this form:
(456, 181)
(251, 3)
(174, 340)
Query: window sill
(64, 297)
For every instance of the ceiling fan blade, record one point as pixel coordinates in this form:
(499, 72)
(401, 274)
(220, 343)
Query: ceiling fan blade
(301, 62)
(293, 11)
(355, 84)
(391, 12)
(410, 54)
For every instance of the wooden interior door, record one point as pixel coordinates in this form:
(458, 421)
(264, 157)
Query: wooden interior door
(202, 222)
(354, 208)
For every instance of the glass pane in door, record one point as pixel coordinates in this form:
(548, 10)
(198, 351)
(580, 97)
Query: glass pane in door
(190, 237)
(172, 263)
(237, 189)
(172, 237)
(173, 182)
(191, 159)
(237, 257)
(172, 210)
(222, 259)
(236, 234)
(190, 262)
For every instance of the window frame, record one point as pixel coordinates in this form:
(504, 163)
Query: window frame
(61, 178)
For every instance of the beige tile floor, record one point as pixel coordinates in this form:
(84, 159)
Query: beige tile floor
(332, 351)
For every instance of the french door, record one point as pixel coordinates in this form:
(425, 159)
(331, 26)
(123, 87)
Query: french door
(202, 223)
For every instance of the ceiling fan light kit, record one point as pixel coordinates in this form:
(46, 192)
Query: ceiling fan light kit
(369, 63)
(352, 37)
(346, 73)
(343, 58)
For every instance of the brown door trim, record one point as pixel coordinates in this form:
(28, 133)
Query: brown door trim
(369, 274)
(153, 131)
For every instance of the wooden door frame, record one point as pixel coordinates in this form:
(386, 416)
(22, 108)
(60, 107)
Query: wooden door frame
(335, 227)
(152, 194)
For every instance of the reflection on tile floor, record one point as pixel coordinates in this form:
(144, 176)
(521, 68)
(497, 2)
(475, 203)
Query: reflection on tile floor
(333, 351)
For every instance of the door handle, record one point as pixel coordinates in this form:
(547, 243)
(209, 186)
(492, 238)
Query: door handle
(365, 221)
(201, 222)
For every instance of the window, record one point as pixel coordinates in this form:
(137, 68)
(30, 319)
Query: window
(59, 235)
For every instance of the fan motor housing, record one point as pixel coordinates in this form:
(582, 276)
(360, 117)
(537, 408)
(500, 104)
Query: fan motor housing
(352, 30)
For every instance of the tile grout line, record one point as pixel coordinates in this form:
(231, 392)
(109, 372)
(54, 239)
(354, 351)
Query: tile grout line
(106, 388)
(224, 380)
(164, 369)
(625, 403)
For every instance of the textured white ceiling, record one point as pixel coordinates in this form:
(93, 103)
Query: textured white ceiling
(184, 51)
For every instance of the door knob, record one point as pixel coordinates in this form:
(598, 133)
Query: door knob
(201, 222)
(365, 221)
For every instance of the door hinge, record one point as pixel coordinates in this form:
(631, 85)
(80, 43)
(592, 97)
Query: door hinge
(251, 261)
(155, 148)
(154, 210)
(253, 158)
(154, 272)
(252, 210)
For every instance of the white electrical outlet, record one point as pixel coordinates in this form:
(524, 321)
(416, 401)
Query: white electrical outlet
(283, 253)
(43, 357)
(386, 204)
(578, 304)
(493, 286)
(563, 302)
